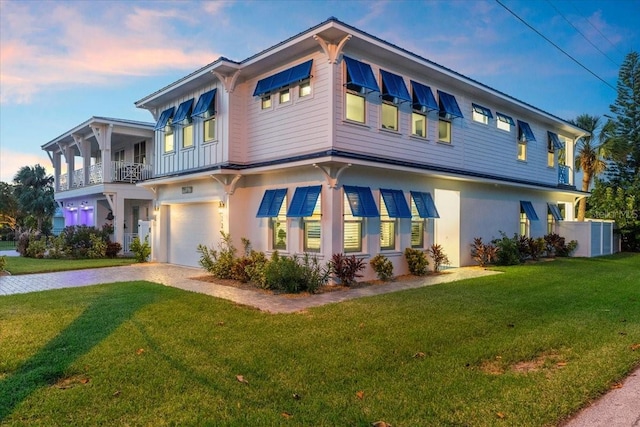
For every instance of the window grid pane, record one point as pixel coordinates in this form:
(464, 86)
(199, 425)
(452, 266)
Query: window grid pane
(417, 234)
(352, 238)
(444, 131)
(387, 228)
(168, 140)
(355, 108)
(419, 125)
(312, 229)
(389, 116)
(187, 136)
(210, 129)
(279, 227)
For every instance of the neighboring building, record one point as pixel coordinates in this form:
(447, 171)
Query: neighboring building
(96, 166)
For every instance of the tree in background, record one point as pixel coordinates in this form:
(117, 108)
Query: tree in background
(618, 195)
(33, 190)
(590, 155)
(8, 211)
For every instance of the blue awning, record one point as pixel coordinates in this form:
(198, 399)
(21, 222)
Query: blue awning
(555, 211)
(184, 111)
(423, 98)
(361, 201)
(205, 104)
(505, 118)
(448, 106)
(284, 78)
(425, 205)
(360, 76)
(555, 140)
(482, 110)
(393, 88)
(527, 207)
(396, 204)
(271, 203)
(524, 132)
(304, 201)
(164, 118)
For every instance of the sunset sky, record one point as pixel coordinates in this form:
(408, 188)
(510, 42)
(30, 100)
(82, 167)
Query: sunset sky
(63, 62)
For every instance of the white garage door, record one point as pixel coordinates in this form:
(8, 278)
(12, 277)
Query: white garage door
(190, 225)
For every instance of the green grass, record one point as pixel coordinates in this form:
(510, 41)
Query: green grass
(447, 355)
(23, 265)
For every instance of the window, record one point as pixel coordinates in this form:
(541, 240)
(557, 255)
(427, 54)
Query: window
(168, 139)
(554, 214)
(527, 214)
(187, 136)
(481, 114)
(389, 116)
(304, 89)
(209, 126)
(504, 122)
(306, 204)
(418, 125)
(522, 150)
(444, 131)
(283, 79)
(140, 152)
(448, 106)
(285, 96)
(164, 119)
(118, 156)
(266, 102)
(355, 107)
(525, 135)
(205, 107)
(278, 226)
(551, 154)
(423, 99)
(352, 238)
(184, 113)
(417, 227)
(387, 229)
(553, 144)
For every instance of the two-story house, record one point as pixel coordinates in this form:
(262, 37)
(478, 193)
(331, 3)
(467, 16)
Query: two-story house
(96, 167)
(337, 141)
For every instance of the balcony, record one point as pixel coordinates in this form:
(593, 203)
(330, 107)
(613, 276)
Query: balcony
(565, 176)
(127, 172)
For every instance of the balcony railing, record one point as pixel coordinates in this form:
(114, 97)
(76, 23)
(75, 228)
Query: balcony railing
(564, 175)
(120, 172)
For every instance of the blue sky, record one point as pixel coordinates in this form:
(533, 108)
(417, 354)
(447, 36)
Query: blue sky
(63, 62)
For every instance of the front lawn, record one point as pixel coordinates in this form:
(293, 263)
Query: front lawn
(23, 265)
(525, 348)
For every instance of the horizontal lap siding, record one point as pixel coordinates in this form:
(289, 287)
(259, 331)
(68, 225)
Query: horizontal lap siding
(298, 127)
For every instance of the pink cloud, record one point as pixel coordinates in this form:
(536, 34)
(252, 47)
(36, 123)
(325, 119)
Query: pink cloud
(11, 161)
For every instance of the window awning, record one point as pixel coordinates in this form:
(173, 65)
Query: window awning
(360, 76)
(524, 132)
(184, 111)
(393, 87)
(482, 110)
(395, 202)
(504, 118)
(423, 98)
(555, 211)
(361, 201)
(271, 203)
(164, 118)
(425, 205)
(553, 137)
(206, 103)
(527, 207)
(448, 106)
(304, 201)
(283, 79)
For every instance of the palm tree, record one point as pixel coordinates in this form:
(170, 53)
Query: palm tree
(34, 192)
(590, 154)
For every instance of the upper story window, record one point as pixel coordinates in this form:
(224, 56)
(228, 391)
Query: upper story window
(164, 119)
(307, 204)
(187, 136)
(140, 152)
(394, 91)
(359, 81)
(304, 89)
(553, 144)
(525, 135)
(183, 118)
(389, 116)
(168, 139)
(481, 114)
(280, 82)
(423, 101)
(205, 109)
(444, 131)
(504, 122)
(418, 125)
(448, 110)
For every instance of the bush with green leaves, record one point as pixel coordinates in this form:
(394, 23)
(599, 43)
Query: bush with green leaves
(57, 248)
(37, 247)
(417, 261)
(220, 264)
(113, 249)
(382, 266)
(295, 274)
(141, 250)
(3, 262)
(78, 240)
(346, 268)
(438, 256)
(98, 247)
(508, 253)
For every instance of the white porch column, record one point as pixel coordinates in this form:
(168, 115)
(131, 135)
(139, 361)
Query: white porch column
(102, 134)
(71, 160)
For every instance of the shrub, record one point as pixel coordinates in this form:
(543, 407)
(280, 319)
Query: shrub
(528, 247)
(507, 250)
(568, 249)
(78, 240)
(3, 262)
(23, 243)
(140, 250)
(282, 273)
(382, 266)
(483, 253)
(37, 247)
(255, 268)
(417, 261)
(346, 268)
(113, 249)
(98, 247)
(219, 264)
(314, 274)
(438, 256)
(56, 246)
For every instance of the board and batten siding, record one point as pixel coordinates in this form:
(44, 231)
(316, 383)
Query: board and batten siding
(474, 147)
(297, 127)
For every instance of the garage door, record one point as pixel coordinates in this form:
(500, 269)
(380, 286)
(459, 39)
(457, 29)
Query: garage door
(190, 225)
